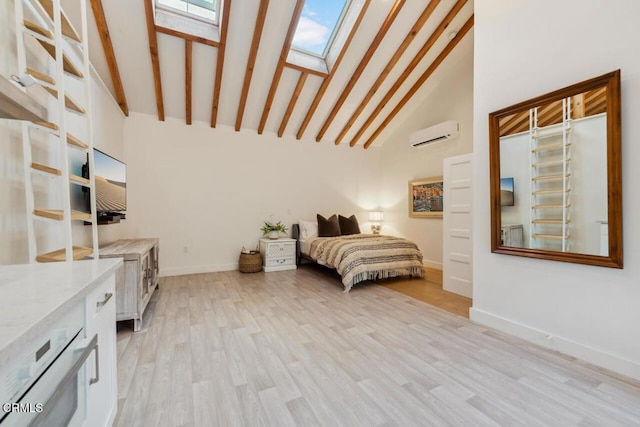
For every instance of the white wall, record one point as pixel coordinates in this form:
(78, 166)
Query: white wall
(451, 99)
(522, 50)
(206, 192)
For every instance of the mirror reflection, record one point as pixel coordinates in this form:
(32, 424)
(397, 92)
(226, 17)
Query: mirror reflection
(556, 175)
(553, 175)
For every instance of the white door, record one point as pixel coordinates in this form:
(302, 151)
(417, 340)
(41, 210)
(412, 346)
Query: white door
(457, 255)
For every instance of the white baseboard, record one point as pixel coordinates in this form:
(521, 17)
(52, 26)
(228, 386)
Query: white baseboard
(563, 345)
(432, 264)
(197, 269)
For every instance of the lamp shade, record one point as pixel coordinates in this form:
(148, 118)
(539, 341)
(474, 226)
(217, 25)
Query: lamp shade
(376, 216)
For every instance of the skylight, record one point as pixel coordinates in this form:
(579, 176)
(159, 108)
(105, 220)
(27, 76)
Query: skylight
(318, 24)
(203, 9)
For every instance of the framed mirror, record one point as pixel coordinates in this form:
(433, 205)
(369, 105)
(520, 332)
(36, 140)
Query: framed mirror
(556, 178)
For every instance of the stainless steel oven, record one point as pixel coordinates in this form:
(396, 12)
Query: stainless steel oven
(46, 386)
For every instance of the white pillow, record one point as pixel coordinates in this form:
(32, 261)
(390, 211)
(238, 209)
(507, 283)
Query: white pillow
(308, 229)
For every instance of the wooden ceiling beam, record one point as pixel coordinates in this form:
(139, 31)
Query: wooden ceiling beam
(293, 24)
(412, 65)
(373, 47)
(423, 78)
(327, 80)
(109, 53)
(306, 70)
(411, 35)
(224, 29)
(155, 62)
(188, 63)
(185, 36)
(251, 61)
(292, 103)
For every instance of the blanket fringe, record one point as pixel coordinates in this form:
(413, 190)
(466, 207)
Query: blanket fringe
(384, 274)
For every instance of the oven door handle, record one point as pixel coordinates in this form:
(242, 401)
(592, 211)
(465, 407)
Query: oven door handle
(69, 376)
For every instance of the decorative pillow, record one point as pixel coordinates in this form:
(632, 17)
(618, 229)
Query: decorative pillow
(308, 229)
(328, 227)
(348, 225)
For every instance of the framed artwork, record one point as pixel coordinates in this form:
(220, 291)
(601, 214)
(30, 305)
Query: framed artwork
(506, 192)
(425, 197)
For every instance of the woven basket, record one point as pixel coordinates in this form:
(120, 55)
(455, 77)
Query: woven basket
(250, 263)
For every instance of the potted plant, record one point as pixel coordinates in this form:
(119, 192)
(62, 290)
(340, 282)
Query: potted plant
(273, 230)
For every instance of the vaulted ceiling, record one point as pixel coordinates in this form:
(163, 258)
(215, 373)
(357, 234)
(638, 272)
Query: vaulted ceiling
(391, 57)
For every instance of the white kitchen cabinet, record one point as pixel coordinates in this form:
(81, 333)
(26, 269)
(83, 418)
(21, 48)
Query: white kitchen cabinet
(102, 395)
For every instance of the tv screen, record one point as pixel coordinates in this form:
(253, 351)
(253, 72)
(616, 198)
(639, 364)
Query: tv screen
(506, 192)
(111, 183)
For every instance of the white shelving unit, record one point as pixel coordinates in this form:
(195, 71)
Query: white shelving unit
(45, 22)
(550, 181)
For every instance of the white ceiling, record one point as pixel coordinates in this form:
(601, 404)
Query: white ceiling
(126, 20)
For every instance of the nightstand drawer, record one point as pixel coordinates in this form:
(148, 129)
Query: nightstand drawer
(281, 249)
(279, 262)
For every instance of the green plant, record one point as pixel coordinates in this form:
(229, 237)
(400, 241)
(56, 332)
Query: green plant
(270, 226)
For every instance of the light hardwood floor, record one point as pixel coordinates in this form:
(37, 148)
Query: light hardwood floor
(289, 348)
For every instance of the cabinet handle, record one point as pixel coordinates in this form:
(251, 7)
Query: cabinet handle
(281, 261)
(106, 299)
(97, 377)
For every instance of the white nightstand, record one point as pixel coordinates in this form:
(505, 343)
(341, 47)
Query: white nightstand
(278, 255)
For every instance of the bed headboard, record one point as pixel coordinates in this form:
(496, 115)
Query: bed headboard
(295, 234)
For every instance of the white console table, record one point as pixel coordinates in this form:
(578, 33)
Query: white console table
(136, 281)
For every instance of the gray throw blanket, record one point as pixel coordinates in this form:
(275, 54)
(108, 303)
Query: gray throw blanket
(361, 257)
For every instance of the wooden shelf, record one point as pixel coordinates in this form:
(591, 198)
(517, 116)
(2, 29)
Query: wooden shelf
(548, 147)
(46, 169)
(549, 192)
(72, 140)
(48, 45)
(58, 214)
(67, 28)
(549, 236)
(549, 206)
(68, 102)
(549, 177)
(79, 252)
(79, 180)
(35, 28)
(548, 164)
(16, 104)
(48, 126)
(40, 76)
(551, 221)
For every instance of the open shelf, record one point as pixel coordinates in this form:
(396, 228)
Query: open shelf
(67, 28)
(549, 147)
(79, 252)
(551, 221)
(549, 206)
(549, 177)
(75, 142)
(46, 169)
(79, 180)
(16, 104)
(40, 76)
(550, 236)
(45, 38)
(58, 214)
(550, 192)
(68, 102)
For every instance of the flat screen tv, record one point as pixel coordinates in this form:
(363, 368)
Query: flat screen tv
(506, 192)
(111, 183)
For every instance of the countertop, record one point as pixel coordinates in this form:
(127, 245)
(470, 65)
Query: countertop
(34, 295)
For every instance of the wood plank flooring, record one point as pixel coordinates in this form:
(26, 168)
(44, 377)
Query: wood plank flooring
(291, 349)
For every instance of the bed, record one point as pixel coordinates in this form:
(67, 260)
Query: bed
(360, 257)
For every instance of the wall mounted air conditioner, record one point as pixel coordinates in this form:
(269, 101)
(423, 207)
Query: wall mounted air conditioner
(440, 132)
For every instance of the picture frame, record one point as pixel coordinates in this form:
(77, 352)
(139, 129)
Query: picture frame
(426, 197)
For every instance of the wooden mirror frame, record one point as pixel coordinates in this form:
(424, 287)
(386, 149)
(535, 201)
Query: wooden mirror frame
(614, 173)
